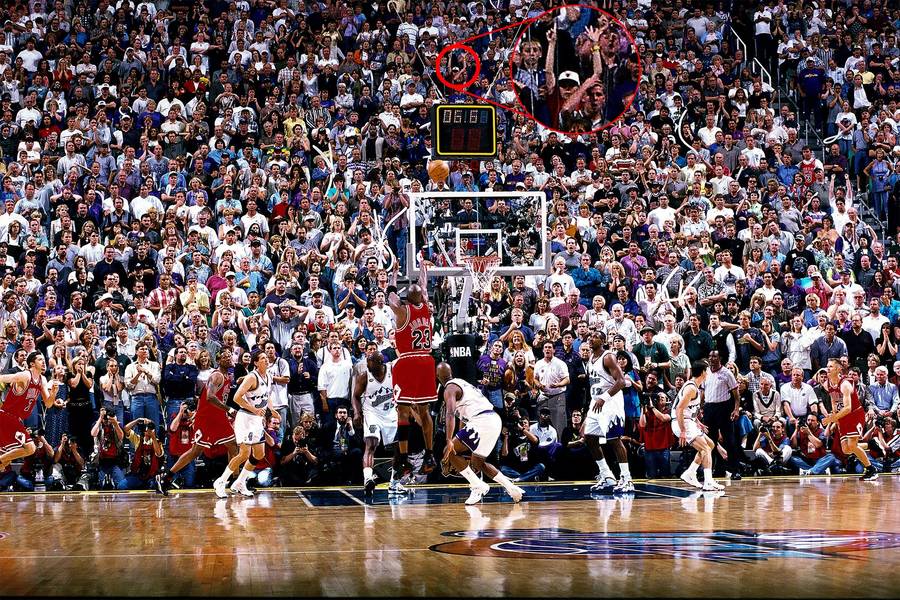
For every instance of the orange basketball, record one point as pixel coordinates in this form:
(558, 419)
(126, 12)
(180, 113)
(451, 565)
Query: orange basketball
(438, 170)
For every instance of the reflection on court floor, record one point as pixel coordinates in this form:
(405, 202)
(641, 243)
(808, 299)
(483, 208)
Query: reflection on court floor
(457, 494)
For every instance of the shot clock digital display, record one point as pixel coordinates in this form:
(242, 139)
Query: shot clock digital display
(464, 131)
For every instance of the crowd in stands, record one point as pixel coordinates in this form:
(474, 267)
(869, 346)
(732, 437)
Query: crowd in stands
(179, 178)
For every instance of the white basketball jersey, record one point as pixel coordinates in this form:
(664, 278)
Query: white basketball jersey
(379, 395)
(472, 401)
(693, 407)
(259, 397)
(599, 378)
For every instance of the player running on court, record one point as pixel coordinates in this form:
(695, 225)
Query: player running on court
(688, 431)
(211, 424)
(22, 396)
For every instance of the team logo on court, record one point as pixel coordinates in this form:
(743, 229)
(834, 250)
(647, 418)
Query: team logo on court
(715, 546)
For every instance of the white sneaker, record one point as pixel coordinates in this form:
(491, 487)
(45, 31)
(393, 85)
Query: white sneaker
(828, 471)
(241, 489)
(603, 484)
(478, 493)
(395, 488)
(624, 486)
(219, 487)
(804, 472)
(691, 479)
(712, 486)
(516, 494)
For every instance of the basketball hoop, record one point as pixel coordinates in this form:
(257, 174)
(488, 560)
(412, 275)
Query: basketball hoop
(482, 269)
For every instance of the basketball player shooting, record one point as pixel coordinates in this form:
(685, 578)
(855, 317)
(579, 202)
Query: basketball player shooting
(26, 387)
(414, 384)
(479, 434)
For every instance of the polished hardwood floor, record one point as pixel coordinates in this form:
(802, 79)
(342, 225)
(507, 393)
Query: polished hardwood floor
(816, 537)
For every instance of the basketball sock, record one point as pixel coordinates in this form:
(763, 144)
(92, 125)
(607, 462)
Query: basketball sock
(225, 476)
(625, 471)
(707, 474)
(605, 471)
(504, 481)
(242, 477)
(691, 471)
(470, 476)
(368, 473)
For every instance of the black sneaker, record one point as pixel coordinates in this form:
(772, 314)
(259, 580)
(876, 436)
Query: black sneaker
(370, 486)
(736, 477)
(870, 474)
(428, 464)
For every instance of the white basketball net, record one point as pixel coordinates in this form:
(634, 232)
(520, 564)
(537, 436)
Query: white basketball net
(482, 269)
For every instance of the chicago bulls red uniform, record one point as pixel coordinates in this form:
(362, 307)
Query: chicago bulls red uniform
(414, 369)
(850, 425)
(211, 424)
(17, 406)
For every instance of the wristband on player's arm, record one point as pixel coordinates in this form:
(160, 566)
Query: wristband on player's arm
(605, 397)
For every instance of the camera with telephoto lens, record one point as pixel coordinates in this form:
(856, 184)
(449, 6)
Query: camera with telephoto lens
(880, 421)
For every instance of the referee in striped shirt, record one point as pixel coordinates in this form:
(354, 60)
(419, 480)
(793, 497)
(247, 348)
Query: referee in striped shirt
(721, 408)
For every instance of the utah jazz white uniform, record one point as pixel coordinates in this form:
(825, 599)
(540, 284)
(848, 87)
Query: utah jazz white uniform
(249, 428)
(609, 423)
(691, 428)
(379, 407)
(482, 425)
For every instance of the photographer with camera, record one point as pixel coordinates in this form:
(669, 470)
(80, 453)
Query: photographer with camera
(298, 464)
(809, 442)
(773, 450)
(884, 441)
(68, 465)
(656, 431)
(109, 435)
(181, 440)
(148, 453)
(518, 453)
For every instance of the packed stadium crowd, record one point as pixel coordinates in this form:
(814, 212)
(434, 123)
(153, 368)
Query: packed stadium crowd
(184, 183)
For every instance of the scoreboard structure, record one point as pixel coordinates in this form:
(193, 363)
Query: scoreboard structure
(464, 131)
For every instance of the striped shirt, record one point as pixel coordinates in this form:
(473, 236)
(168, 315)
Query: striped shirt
(717, 387)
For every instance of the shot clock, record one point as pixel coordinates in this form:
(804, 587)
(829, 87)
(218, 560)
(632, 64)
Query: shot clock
(464, 131)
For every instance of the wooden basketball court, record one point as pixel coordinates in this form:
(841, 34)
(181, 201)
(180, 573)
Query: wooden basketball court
(784, 537)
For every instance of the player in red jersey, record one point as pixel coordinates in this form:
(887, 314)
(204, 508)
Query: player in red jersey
(849, 416)
(413, 372)
(211, 424)
(26, 387)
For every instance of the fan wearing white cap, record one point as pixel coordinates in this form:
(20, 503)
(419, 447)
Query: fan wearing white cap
(565, 91)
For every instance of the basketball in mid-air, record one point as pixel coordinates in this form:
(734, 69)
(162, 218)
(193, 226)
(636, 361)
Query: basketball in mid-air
(438, 170)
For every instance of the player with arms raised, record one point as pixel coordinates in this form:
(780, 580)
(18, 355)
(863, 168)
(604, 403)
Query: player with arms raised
(374, 409)
(254, 396)
(26, 387)
(412, 373)
(211, 424)
(482, 426)
(687, 429)
(605, 420)
(849, 416)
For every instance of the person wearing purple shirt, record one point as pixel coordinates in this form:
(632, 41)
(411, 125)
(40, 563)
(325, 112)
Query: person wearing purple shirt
(491, 368)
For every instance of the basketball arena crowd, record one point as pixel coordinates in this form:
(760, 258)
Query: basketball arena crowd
(181, 179)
